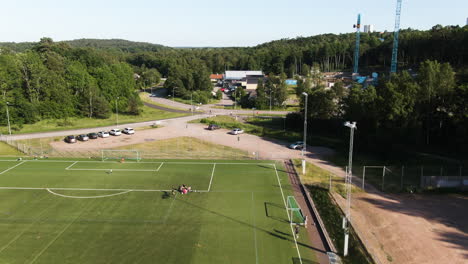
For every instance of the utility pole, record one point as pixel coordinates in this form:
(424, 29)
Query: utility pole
(117, 111)
(349, 176)
(304, 148)
(8, 118)
(191, 102)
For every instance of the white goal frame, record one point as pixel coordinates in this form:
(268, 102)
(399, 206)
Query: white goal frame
(120, 154)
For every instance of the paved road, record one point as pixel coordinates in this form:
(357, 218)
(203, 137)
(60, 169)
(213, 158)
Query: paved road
(210, 108)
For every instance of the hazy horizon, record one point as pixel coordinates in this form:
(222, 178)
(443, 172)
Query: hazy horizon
(209, 23)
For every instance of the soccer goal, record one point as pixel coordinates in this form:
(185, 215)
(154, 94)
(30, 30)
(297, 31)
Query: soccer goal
(294, 211)
(120, 154)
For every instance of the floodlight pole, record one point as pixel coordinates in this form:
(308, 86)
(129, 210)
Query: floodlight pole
(349, 175)
(191, 101)
(304, 148)
(117, 111)
(8, 118)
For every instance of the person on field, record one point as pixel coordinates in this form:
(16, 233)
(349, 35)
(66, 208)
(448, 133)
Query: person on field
(296, 231)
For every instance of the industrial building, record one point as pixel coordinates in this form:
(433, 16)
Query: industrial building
(247, 79)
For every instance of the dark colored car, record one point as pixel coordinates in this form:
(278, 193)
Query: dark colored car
(93, 135)
(70, 139)
(213, 127)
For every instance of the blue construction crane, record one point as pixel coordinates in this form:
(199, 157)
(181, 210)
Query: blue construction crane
(396, 34)
(356, 51)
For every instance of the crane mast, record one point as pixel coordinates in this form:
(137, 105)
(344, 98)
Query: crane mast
(356, 50)
(396, 34)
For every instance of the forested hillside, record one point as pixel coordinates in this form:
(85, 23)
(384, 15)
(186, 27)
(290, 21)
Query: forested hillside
(107, 44)
(54, 80)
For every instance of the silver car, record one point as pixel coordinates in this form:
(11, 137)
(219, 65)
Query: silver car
(236, 131)
(103, 134)
(297, 145)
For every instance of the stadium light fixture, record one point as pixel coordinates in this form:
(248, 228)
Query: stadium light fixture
(349, 176)
(8, 118)
(304, 147)
(117, 111)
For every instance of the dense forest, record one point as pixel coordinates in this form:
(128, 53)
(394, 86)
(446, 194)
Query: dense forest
(425, 103)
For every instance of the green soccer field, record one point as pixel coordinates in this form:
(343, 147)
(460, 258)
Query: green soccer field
(109, 212)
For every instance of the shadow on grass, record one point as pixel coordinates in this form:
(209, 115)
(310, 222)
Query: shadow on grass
(251, 226)
(269, 211)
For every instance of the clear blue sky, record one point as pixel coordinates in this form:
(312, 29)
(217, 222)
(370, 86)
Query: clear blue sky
(213, 23)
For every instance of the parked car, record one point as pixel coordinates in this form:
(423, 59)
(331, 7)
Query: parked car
(103, 134)
(93, 135)
(83, 137)
(115, 132)
(236, 131)
(213, 127)
(152, 95)
(128, 131)
(70, 139)
(297, 145)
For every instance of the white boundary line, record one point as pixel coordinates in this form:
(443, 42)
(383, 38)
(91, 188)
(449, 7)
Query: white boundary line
(255, 228)
(159, 166)
(82, 189)
(109, 170)
(87, 197)
(153, 162)
(12, 167)
(211, 179)
(285, 208)
(67, 168)
(56, 237)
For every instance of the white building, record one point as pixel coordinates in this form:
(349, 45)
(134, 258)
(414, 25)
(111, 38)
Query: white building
(368, 28)
(467, 21)
(240, 75)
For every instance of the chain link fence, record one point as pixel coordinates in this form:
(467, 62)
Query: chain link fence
(412, 178)
(176, 152)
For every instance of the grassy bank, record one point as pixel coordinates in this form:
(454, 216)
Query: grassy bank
(318, 177)
(148, 114)
(186, 147)
(8, 151)
(254, 126)
(317, 181)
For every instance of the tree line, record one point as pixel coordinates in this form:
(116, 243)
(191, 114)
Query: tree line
(427, 109)
(55, 81)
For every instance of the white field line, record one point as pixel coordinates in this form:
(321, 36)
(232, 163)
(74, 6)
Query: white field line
(211, 179)
(12, 167)
(285, 208)
(109, 170)
(87, 197)
(169, 210)
(27, 228)
(151, 162)
(160, 166)
(255, 228)
(56, 237)
(67, 168)
(82, 189)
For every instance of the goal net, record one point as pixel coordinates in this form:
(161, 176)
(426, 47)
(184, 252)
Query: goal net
(120, 154)
(294, 211)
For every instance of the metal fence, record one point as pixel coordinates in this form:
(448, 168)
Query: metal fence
(410, 178)
(220, 152)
